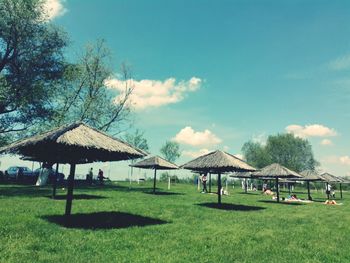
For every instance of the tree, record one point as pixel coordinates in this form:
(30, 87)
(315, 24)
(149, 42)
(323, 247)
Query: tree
(170, 151)
(286, 149)
(31, 61)
(137, 140)
(84, 96)
(255, 154)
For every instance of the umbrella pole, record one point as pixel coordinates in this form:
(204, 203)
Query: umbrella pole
(209, 182)
(219, 188)
(289, 186)
(277, 190)
(70, 189)
(154, 181)
(308, 190)
(341, 191)
(54, 183)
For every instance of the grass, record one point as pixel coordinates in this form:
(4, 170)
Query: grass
(118, 224)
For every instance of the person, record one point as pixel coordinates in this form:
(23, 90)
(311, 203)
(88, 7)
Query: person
(100, 176)
(204, 182)
(90, 176)
(19, 175)
(328, 189)
(264, 186)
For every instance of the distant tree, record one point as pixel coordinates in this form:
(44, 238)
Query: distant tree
(286, 149)
(137, 139)
(170, 151)
(255, 154)
(84, 96)
(31, 61)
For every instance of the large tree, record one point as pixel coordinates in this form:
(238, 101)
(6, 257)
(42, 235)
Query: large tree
(170, 151)
(286, 149)
(84, 96)
(31, 61)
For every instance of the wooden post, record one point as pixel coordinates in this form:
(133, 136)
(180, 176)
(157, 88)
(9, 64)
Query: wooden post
(70, 189)
(245, 185)
(54, 183)
(209, 182)
(277, 190)
(154, 180)
(289, 189)
(341, 191)
(199, 182)
(219, 188)
(308, 190)
(169, 182)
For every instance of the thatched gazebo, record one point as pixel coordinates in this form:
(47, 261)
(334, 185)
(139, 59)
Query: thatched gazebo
(155, 163)
(276, 171)
(73, 144)
(218, 162)
(310, 176)
(329, 178)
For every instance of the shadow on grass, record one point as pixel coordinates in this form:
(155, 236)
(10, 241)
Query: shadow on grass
(162, 193)
(23, 191)
(231, 207)
(103, 220)
(78, 197)
(280, 203)
(249, 193)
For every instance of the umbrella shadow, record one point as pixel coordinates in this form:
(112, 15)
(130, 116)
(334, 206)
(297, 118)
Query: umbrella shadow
(280, 203)
(231, 207)
(103, 220)
(78, 197)
(23, 191)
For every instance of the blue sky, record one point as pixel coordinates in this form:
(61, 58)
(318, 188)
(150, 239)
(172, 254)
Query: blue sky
(228, 71)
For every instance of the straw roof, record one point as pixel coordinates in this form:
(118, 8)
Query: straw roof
(155, 162)
(217, 162)
(276, 171)
(241, 175)
(74, 143)
(332, 178)
(310, 175)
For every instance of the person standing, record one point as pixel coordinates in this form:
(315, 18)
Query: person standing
(100, 176)
(204, 181)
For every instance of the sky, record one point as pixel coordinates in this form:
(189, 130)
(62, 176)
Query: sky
(215, 74)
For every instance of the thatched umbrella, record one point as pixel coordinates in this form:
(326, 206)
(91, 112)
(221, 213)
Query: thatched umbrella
(310, 176)
(218, 162)
(73, 144)
(329, 178)
(244, 176)
(276, 171)
(156, 163)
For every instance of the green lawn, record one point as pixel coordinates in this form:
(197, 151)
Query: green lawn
(132, 225)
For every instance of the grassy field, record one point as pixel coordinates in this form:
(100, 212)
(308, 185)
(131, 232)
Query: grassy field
(118, 224)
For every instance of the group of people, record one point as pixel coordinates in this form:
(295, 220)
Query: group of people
(90, 176)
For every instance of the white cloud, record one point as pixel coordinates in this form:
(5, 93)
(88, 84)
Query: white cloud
(314, 130)
(340, 160)
(260, 138)
(195, 154)
(326, 142)
(189, 136)
(155, 93)
(341, 63)
(345, 160)
(54, 8)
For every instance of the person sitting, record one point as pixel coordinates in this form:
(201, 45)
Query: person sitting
(268, 192)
